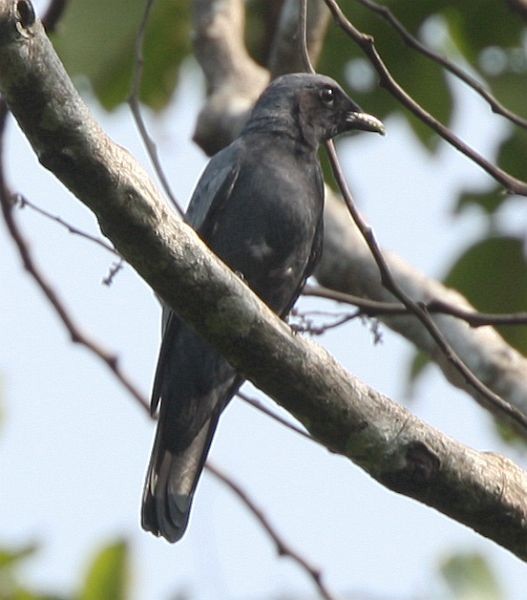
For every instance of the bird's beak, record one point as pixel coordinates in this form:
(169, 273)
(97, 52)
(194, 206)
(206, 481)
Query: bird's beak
(364, 122)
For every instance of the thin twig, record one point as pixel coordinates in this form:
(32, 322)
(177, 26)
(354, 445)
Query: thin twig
(282, 547)
(487, 396)
(302, 37)
(133, 102)
(267, 411)
(114, 269)
(474, 318)
(22, 202)
(414, 43)
(375, 308)
(367, 45)
(307, 325)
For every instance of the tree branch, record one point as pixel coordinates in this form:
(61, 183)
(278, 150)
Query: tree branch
(286, 55)
(484, 491)
(234, 80)
(135, 107)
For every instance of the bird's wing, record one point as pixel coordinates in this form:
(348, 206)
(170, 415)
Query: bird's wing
(213, 190)
(211, 195)
(314, 257)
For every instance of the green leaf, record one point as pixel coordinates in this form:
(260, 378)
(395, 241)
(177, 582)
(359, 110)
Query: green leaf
(108, 574)
(512, 153)
(470, 577)
(96, 40)
(416, 367)
(478, 25)
(492, 274)
(488, 202)
(9, 557)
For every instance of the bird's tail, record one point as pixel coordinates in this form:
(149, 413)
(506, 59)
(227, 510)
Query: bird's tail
(171, 481)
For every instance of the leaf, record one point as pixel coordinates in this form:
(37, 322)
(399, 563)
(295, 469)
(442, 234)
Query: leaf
(96, 40)
(8, 558)
(512, 153)
(108, 574)
(488, 201)
(478, 25)
(470, 577)
(416, 367)
(492, 274)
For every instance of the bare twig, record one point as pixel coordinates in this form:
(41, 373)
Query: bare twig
(302, 37)
(282, 547)
(476, 319)
(307, 325)
(114, 269)
(366, 44)
(275, 416)
(496, 106)
(374, 308)
(133, 102)
(22, 201)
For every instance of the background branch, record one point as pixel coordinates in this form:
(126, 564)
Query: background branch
(286, 56)
(233, 78)
(374, 308)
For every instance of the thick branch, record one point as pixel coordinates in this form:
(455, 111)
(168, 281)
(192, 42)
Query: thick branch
(286, 56)
(234, 80)
(484, 491)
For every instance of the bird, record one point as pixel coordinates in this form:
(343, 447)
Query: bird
(258, 206)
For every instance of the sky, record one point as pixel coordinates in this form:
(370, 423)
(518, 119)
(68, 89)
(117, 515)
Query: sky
(74, 445)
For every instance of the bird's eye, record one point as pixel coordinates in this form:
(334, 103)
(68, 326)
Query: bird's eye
(327, 95)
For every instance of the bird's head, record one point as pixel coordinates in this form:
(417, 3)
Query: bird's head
(313, 107)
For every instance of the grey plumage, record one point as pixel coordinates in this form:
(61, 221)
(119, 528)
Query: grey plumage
(258, 206)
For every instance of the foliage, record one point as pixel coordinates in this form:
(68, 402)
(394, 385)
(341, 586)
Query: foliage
(96, 40)
(469, 577)
(106, 579)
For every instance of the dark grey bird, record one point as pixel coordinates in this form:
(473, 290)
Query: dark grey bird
(258, 206)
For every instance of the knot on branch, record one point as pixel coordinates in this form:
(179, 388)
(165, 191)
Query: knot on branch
(25, 14)
(420, 466)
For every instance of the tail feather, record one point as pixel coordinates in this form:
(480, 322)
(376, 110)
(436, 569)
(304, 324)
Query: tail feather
(171, 481)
